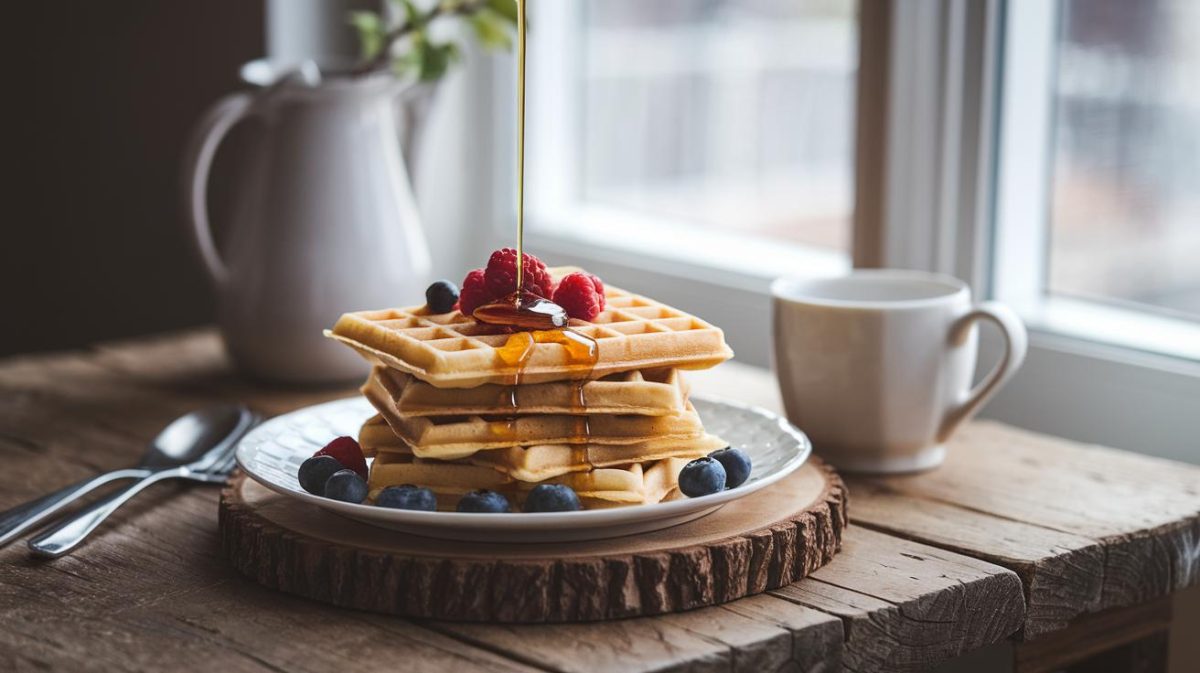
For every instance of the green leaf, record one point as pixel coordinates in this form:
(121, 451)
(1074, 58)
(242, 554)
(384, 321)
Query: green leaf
(411, 13)
(491, 29)
(371, 32)
(435, 59)
(505, 8)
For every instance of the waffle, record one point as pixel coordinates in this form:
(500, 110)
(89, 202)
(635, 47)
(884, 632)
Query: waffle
(452, 437)
(451, 350)
(653, 392)
(544, 461)
(628, 485)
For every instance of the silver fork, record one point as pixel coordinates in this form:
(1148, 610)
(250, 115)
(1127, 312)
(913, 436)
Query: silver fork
(213, 467)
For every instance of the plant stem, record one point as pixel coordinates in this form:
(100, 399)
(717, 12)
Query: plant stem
(444, 8)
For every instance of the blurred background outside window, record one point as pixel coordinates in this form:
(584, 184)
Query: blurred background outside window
(734, 116)
(1125, 198)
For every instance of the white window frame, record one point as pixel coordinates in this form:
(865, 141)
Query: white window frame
(963, 198)
(1022, 205)
(932, 181)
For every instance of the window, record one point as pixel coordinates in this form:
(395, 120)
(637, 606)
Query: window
(1125, 203)
(719, 125)
(1099, 167)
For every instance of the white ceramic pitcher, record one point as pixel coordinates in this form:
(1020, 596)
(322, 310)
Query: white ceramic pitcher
(323, 219)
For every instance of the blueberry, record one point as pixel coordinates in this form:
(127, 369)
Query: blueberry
(703, 476)
(736, 463)
(552, 498)
(407, 497)
(347, 486)
(483, 502)
(315, 471)
(441, 296)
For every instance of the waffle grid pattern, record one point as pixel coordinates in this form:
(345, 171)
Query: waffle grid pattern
(452, 350)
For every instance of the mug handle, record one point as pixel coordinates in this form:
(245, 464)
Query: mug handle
(197, 161)
(1016, 343)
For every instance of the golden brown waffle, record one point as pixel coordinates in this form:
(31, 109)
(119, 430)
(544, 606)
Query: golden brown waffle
(543, 461)
(627, 485)
(637, 484)
(449, 477)
(453, 437)
(451, 350)
(653, 392)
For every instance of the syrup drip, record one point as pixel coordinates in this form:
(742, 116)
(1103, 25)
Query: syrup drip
(582, 355)
(523, 310)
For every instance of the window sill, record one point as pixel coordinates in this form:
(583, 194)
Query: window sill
(1115, 332)
(736, 260)
(720, 276)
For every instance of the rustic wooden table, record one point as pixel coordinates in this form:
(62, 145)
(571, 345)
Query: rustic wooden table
(1065, 550)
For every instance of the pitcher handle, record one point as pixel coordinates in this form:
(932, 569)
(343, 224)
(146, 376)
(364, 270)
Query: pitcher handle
(1016, 342)
(197, 162)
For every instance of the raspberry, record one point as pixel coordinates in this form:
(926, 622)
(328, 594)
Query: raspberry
(581, 295)
(599, 284)
(346, 451)
(502, 275)
(474, 292)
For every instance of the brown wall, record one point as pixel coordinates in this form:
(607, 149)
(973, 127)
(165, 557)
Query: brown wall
(98, 106)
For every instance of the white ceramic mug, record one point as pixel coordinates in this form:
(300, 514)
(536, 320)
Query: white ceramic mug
(876, 366)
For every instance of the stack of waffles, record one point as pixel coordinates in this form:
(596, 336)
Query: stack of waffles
(602, 407)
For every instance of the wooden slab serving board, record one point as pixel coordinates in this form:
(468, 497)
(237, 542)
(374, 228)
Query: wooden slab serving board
(763, 541)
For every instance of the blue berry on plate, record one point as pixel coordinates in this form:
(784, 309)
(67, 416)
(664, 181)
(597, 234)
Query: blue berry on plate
(315, 471)
(347, 486)
(552, 498)
(736, 463)
(703, 476)
(483, 502)
(407, 496)
(441, 296)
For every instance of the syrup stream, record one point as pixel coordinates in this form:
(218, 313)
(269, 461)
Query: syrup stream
(526, 311)
(520, 145)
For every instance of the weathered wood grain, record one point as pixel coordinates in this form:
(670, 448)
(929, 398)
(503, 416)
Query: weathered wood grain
(760, 542)
(759, 633)
(152, 591)
(907, 605)
(816, 637)
(1087, 528)
(1063, 574)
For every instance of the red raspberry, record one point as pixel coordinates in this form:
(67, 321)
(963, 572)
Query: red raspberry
(581, 295)
(502, 275)
(599, 289)
(346, 451)
(474, 292)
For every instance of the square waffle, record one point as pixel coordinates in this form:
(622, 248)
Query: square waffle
(543, 461)
(652, 392)
(451, 350)
(627, 485)
(451, 437)
(376, 437)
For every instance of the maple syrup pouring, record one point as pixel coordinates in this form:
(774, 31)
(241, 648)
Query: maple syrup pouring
(526, 311)
(521, 146)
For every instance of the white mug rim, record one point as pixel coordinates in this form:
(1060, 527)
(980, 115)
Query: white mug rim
(789, 289)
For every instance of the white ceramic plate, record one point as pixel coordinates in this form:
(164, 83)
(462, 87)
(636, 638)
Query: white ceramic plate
(271, 454)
